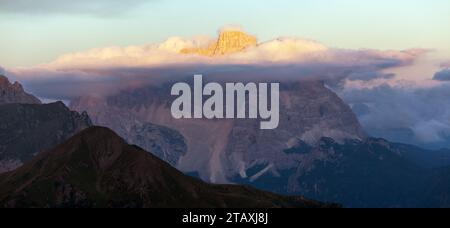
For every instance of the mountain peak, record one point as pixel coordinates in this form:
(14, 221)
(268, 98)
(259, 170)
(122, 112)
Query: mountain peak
(230, 41)
(14, 93)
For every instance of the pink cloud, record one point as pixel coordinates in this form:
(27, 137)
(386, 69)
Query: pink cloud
(275, 52)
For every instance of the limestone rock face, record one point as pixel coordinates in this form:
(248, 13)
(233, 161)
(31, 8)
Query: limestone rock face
(223, 148)
(14, 93)
(229, 42)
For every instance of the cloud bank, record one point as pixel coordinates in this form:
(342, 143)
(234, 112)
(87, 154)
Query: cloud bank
(387, 105)
(274, 52)
(73, 74)
(404, 114)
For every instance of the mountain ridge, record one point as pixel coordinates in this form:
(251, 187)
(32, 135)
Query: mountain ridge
(27, 129)
(96, 168)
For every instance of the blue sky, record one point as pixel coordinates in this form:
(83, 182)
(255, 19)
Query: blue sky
(34, 32)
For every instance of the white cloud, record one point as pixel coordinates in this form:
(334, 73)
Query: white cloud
(275, 52)
(405, 112)
(283, 50)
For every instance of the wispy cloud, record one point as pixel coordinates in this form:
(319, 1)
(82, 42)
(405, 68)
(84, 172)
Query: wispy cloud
(89, 7)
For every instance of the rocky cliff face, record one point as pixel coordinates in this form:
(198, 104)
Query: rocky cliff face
(27, 129)
(96, 168)
(368, 173)
(229, 42)
(14, 93)
(218, 150)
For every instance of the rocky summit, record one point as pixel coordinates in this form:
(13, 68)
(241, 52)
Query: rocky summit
(14, 93)
(229, 42)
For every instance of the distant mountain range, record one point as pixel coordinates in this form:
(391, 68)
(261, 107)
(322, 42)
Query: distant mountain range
(96, 168)
(319, 150)
(368, 173)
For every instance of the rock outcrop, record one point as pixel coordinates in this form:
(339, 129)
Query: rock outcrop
(14, 93)
(228, 42)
